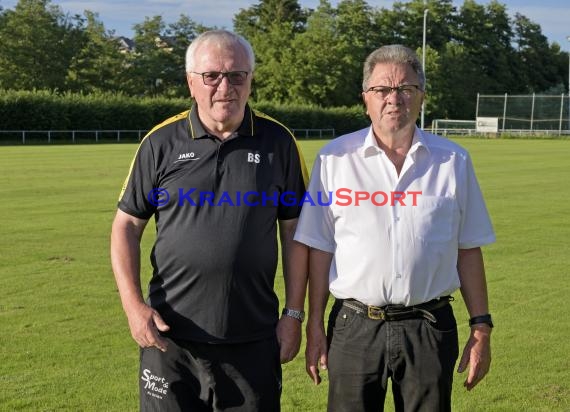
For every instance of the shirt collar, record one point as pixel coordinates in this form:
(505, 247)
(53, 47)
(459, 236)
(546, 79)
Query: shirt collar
(370, 145)
(418, 141)
(197, 130)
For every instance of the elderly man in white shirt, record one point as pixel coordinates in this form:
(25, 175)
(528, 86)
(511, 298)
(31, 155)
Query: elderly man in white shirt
(398, 227)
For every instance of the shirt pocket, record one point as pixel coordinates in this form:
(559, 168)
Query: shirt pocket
(433, 218)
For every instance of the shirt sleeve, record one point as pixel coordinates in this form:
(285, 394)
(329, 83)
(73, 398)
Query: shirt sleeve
(138, 195)
(295, 184)
(475, 228)
(316, 224)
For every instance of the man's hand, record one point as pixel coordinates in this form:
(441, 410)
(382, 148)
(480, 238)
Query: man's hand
(477, 354)
(289, 338)
(145, 324)
(316, 353)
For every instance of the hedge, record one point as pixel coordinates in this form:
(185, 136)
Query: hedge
(46, 110)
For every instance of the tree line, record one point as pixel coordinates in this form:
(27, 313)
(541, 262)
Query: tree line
(303, 56)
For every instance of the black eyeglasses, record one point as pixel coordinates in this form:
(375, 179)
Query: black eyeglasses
(236, 78)
(405, 90)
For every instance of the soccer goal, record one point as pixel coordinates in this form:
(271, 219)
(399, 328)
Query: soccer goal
(447, 127)
(527, 113)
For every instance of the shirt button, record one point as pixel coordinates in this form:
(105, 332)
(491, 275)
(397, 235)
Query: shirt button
(398, 276)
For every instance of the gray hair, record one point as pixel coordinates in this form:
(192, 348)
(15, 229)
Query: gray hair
(395, 54)
(222, 38)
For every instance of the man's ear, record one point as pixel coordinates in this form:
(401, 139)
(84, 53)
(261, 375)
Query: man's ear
(363, 94)
(189, 82)
(252, 94)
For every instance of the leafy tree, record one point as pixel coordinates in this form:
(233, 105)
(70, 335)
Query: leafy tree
(480, 59)
(403, 24)
(274, 63)
(357, 38)
(302, 55)
(182, 32)
(456, 83)
(157, 65)
(98, 64)
(538, 61)
(270, 26)
(389, 25)
(318, 57)
(435, 84)
(151, 66)
(503, 64)
(38, 42)
(264, 16)
(441, 18)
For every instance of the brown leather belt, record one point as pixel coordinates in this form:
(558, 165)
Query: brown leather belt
(397, 312)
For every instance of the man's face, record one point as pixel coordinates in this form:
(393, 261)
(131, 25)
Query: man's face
(222, 104)
(393, 111)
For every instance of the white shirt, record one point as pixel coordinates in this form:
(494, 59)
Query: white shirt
(391, 248)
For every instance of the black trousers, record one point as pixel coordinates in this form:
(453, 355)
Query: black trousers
(417, 355)
(201, 377)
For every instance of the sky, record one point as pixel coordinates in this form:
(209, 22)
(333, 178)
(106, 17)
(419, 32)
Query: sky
(120, 15)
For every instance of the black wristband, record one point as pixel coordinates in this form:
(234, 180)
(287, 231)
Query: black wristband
(481, 319)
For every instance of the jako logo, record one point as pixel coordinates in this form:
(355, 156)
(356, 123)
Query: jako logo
(182, 157)
(253, 158)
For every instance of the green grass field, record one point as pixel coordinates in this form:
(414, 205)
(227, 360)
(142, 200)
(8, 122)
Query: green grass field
(65, 344)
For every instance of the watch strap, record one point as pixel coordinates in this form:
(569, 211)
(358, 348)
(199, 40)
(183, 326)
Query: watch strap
(296, 314)
(481, 319)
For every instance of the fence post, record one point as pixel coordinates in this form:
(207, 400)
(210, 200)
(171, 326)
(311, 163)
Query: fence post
(477, 108)
(532, 113)
(561, 113)
(505, 111)
(23, 137)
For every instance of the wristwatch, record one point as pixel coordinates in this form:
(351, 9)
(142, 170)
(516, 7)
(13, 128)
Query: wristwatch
(297, 314)
(481, 319)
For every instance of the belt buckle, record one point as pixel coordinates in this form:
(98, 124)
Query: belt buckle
(376, 313)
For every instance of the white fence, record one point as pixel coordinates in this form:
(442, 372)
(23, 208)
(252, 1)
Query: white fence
(314, 133)
(67, 136)
(75, 136)
(447, 127)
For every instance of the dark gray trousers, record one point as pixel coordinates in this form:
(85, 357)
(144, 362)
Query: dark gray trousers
(417, 355)
(201, 377)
